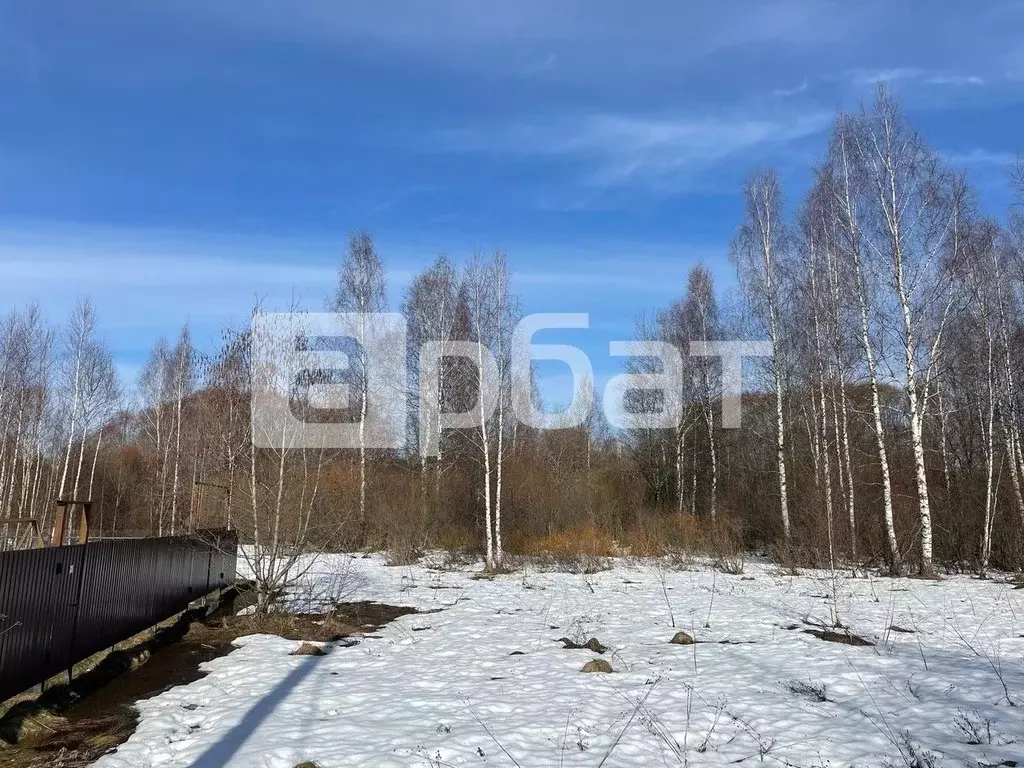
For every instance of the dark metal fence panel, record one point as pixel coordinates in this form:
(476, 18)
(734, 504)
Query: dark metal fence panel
(62, 604)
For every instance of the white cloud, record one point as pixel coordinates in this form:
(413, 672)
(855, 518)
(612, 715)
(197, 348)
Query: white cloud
(955, 80)
(149, 281)
(164, 272)
(658, 153)
(908, 75)
(796, 91)
(871, 77)
(145, 283)
(639, 149)
(982, 157)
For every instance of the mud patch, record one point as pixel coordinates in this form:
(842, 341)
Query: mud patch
(593, 644)
(73, 726)
(838, 637)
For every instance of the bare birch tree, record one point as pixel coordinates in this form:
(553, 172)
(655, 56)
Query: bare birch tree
(700, 310)
(492, 313)
(78, 336)
(912, 206)
(154, 394)
(362, 289)
(430, 307)
(184, 382)
(759, 252)
(848, 184)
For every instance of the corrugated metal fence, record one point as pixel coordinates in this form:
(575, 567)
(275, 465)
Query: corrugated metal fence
(60, 605)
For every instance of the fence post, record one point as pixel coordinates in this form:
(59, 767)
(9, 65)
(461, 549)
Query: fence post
(78, 608)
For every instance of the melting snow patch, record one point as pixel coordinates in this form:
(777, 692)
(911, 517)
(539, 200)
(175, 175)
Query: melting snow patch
(935, 674)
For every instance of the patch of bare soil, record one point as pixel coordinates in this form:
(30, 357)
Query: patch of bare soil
(73, 726)
(592, 644)
(71, 744)
(845, 638)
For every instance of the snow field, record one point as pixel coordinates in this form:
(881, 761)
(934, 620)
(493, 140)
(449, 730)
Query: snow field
(443, 688)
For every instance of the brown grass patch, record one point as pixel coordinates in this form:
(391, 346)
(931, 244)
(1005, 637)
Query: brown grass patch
(347, 619)
(459, 538)
(583, 542)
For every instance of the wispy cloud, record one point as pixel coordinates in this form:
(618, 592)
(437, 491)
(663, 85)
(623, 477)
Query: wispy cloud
(141, 279)
(788, 92)
(613, 268)
(146, 284)
(982, 158)
(147, 279)
(907, 75)
(658, 153)
(955, 80)
(893, 75)
(165, 272)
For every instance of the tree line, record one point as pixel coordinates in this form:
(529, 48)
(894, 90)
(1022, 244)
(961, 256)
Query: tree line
(884, 427)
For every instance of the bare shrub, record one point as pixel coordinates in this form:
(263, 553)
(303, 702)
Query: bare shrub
(724, 543)
(812, 691)
(973, 728)
(585, 550)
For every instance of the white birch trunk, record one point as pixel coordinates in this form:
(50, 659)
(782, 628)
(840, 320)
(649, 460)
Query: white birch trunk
(95, 458)
(853, 231)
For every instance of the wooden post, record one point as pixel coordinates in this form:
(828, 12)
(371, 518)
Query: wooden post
(62, 519)
(60, 524)
(83, 527)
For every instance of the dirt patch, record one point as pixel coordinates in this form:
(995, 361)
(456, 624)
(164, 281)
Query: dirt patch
(838, 637)
(73, 744)
(73, 726)
(593, 644)
(347, 619)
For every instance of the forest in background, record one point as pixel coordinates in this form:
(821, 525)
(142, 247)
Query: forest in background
(885, 428)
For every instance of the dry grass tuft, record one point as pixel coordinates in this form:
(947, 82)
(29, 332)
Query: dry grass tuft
(583, 542)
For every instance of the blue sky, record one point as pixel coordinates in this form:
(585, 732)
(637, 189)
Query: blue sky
(173, 159)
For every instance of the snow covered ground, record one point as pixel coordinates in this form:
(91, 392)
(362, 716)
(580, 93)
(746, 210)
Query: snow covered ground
(480, 680)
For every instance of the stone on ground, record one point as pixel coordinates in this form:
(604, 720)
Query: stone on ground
(308, 649)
